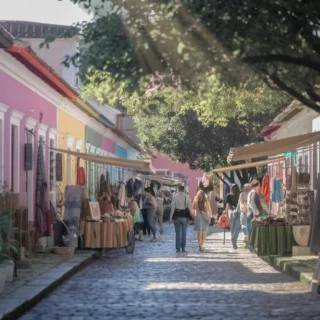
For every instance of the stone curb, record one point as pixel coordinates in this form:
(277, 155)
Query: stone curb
(298, 270)
(26, 297)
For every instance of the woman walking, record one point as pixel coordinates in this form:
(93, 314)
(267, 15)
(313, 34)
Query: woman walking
(150, 204)
(254, 206)
(233, 214)
(160, 199)
(202, 212)
(243, 208)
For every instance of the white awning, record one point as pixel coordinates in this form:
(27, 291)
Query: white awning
(140, 165)
(163, 180)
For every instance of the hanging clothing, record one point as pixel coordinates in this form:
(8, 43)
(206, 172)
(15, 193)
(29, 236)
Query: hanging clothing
(133, 186)
(277, 194)
(122, 195)
(73, 201)
(42, 216)
(103, 185)
(108, 187)
(130, 188)
(58, 167)
(81, 176)
(265, 188)
(314, 239)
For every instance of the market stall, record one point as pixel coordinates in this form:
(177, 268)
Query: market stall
(103, 219)
(288, 190)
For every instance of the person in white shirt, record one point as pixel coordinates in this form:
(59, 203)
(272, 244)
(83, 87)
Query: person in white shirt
(180, 217)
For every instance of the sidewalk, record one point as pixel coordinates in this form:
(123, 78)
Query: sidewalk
(47, 272)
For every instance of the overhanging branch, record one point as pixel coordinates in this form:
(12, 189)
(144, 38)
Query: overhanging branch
(309, 103)
(304, 61)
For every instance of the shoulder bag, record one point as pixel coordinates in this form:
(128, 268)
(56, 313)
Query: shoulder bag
(206, 216)
(187, 210)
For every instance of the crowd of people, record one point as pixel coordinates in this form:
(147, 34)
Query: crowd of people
(240, 209)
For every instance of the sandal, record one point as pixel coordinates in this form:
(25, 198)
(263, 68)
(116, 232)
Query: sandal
(155, 239)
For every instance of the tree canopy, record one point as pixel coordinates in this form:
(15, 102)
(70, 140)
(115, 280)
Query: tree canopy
(276, 40)
(197, 128)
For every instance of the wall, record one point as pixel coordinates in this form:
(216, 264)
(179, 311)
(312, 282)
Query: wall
(163, 161)
(121, 152)
(25, 108)
(299, 124)
(71, 136)
(55, 54)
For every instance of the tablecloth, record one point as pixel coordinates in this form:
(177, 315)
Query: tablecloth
(272, 240)
(99, 234)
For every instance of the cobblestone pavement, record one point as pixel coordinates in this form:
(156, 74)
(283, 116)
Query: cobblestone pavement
(156, 282)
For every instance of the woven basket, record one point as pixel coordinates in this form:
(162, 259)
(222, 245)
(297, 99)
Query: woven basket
(64, 250)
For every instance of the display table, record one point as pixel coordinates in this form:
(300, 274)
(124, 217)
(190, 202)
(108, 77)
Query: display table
(272, 240)
(100, 234)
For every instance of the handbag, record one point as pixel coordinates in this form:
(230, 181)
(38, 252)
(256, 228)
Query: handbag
(206, 216)
(303, 177)
(187, 210)
(243, 206)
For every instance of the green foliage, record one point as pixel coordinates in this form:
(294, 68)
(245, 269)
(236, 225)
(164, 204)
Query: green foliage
(196, 126)
(276, 40)
(7, 244)
(182, 135)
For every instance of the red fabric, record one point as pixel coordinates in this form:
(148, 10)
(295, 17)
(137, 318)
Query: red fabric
(81, 175)
(265, 188)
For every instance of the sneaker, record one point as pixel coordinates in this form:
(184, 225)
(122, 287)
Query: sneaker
(155, 239)
(161, 231)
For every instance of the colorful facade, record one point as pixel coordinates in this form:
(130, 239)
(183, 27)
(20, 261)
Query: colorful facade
(164, 165)
(26, 114)
(35, 102)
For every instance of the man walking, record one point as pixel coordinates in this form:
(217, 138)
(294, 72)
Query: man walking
(180, 217)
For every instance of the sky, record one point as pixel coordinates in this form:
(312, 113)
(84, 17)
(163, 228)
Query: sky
(46, 11)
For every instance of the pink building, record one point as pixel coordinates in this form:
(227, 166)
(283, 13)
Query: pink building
(25, 116)
(164, 165)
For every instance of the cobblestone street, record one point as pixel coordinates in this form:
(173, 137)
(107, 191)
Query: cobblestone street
(157, 283)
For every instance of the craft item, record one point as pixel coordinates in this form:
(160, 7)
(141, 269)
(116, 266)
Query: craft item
(94, 211)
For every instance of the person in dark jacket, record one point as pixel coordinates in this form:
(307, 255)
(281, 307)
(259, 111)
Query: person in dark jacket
(234, 216)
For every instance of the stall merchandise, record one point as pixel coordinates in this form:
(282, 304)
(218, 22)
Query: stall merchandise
(108, 233)
(272, 239)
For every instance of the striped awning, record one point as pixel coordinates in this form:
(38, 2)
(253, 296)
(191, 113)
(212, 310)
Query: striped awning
(248, 165)
(272, 147)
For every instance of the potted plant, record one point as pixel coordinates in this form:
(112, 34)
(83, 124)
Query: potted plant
(7, 247)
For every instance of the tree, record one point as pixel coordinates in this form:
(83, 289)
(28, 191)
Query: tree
(277, 40)
(181, 134)
(213, 102)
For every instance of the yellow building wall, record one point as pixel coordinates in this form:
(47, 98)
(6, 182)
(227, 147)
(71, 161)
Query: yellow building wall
(69, 126)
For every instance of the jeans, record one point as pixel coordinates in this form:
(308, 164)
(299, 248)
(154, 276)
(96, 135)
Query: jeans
(180, 225)
(244, 223)
(151, 215)
(249, 232)
(235, 226)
